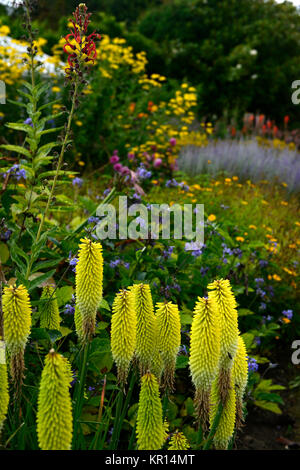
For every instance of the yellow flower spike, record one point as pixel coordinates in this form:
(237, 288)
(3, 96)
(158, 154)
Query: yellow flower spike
(146, 334)
(221, 292)
(78, 324)
(150, 430)
(240, 378)
(4, 396)
(123, 332)
(54, 413)
(16, 325)
(89, 280)
(178, 441)
(227, 422)
(204, 353)
(49, 312)
(157, 365)
(168, 325)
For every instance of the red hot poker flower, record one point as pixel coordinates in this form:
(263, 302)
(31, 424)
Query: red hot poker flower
(79, 47)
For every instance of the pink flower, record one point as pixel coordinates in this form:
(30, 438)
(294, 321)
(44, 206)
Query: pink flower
(157, 162)
(125, 170)
(114, 159)
(118, 167)
(172, 141)
(130, 156)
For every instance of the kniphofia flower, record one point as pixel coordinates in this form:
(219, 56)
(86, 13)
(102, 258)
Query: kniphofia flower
(150, 429)
(16, 324)
(54, 413)
(204, 353)
(123, 332)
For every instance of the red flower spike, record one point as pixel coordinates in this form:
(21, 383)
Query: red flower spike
(87, 46)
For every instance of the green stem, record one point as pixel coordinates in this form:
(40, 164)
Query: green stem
(165, 405)
(214, 427)
(79, 391)
(115, 439)
(60, 159)
(132, 437)
(117, 430)
(59, 164)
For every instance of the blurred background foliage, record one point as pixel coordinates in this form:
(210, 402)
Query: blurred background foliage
(242, 55)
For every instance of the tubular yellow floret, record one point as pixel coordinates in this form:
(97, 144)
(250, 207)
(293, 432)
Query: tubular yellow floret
(221, 292)
(240, 378)
(49, 312)
(150, 429)
(204, 353)
(225, 428)
(123, 332)
(146, 334)
(178, 441)
(4, 396)
(54, 414)
(89, 280)
(157, 365)
(16, 325)
(78, 323)
(168, 328)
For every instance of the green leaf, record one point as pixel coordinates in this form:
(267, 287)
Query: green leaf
(36, 282)
(104, 304)
(17, 149)
(4, 253)
(64, 295)
(182, 362)
(266, 405)
(46, 264)
(248, 339)
(244, 312)
(186, 319)
(273, 397)
(20, 127)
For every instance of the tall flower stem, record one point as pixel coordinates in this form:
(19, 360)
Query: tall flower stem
(59, 164)
(79, 390)
(60, 160)
(120, 415)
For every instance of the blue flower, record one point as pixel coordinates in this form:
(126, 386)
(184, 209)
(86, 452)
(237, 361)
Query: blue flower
(252, 364)
(69, 309)
(77, 182)
(288, 314)
(29, 122)
(263, 263)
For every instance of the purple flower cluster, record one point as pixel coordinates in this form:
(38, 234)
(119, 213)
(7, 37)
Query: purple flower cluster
(73, 262)
(69, 309)
(288, 314)
(252, 364)
(117, 262)
(174, 184)
(143, 173)
(16, 172)
(77, 182)
(167, 253)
